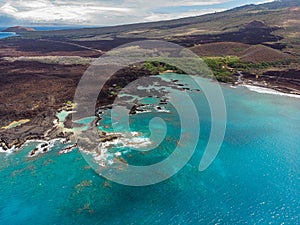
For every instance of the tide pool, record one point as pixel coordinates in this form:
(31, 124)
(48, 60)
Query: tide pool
(254, 179)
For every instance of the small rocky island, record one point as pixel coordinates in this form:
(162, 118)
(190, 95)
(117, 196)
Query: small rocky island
(18, 29)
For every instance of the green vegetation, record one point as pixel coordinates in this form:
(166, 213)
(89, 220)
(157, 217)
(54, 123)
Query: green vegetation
(223, 68)
(69, 106)
(157, 67)
(238, 49)
(218, 65)
(113, 93)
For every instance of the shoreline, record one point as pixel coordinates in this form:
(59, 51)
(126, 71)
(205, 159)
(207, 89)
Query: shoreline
(267, 85)
(268, 90)
(60, 126)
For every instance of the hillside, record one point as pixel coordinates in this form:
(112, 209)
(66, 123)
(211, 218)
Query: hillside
(261, 53)
(275, 24)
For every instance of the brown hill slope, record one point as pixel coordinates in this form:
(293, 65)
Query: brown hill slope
(261, 53)
(220, 49)
(247, 53)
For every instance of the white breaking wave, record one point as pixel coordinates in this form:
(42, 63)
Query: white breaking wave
(137, 142)
(263, 90)
(44, 146)
(132, 140)
(50, 144)
(8, 151)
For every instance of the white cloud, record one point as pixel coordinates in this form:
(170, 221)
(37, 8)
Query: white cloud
(94, 12)
(44, 11)
(189, 3)
(154, 4)
(166, 16)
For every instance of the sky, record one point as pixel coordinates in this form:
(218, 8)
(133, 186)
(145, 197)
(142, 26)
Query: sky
(107, 12)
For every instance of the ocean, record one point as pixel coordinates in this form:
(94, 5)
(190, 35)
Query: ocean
(45, 28)
(254, 179)
(7, 34)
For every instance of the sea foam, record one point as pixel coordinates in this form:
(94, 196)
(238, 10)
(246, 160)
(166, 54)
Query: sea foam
(263, 90)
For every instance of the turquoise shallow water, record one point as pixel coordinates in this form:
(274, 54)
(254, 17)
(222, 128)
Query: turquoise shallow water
(255, 178)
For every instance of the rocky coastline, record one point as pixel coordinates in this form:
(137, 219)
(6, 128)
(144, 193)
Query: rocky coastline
(37, 91)
(286, 81)
(46, 129)
(43, 123)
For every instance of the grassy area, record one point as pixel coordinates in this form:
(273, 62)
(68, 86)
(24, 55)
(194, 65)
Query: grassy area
(218, 65)
(69, 106)
(223, 68)
(158, 67)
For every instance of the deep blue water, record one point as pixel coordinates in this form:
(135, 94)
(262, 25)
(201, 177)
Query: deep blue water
(45, 28)
(255, 178)
(6, 34)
